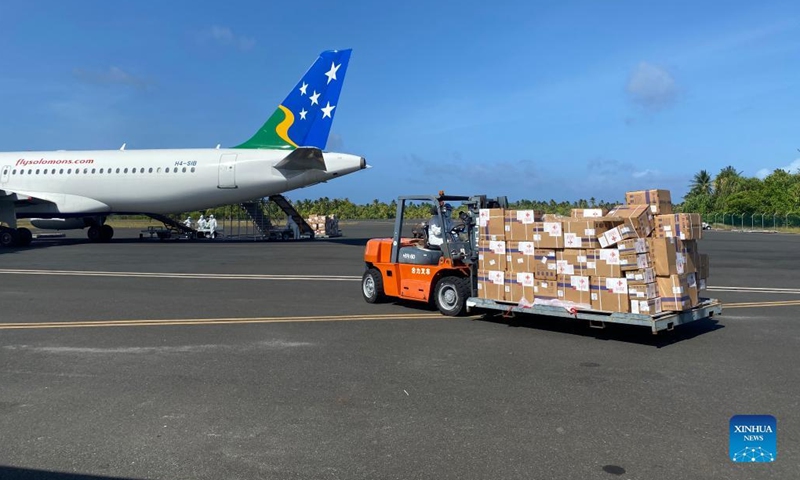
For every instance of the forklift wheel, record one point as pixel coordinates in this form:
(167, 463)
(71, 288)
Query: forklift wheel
(372, 286)
(451, 295)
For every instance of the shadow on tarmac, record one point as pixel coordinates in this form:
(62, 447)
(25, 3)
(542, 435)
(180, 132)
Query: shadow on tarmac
(14, 473)
(611, 331)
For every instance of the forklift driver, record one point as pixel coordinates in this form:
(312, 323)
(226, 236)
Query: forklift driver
(436, 231)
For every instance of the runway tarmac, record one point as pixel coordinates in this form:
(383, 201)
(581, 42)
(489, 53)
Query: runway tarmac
(222, 359)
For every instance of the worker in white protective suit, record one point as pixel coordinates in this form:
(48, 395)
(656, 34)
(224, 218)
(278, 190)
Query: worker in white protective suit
(188, 221)
(212, 226)
(437, 231)
(201, 222)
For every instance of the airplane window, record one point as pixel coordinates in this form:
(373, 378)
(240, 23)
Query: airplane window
(30, 171)
(133, 170)
(93, 170)
(166, 170)
(22, 172)
(184, 169)
(175, 169)
(37, 171)
(192, 169)
(77, 171)
(69, 170)
(85, 170)
(45, 172)
(125, 171)
(14, 172)
(151, 170)
(61, 171)
(158, 170)
(101, 170)
(118, 170)
(141, 170)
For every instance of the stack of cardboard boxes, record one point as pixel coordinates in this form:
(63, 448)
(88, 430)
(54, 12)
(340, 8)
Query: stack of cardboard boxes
(638, 257)
(324, 225)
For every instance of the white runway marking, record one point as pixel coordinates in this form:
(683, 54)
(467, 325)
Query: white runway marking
(202, 276)
(791, 291)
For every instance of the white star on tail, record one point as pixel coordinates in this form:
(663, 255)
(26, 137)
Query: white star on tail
(303, 114)
(303, 88)
(331, 74)
(314, 98)
(326, 112)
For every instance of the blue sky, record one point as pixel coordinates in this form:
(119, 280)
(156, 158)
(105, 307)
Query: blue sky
(534, 100)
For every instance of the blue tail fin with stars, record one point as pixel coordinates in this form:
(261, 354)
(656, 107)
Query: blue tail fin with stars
(304, 118)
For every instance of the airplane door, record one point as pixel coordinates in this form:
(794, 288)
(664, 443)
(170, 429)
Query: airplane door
(227, 171)
(4, 177)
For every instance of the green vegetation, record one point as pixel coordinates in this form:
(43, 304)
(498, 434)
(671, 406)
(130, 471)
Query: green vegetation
(731, 192)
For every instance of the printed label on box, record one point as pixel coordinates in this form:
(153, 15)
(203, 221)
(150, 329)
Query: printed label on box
(609, 256)
(572, 240)
(525, 216)
(525, 279)
(497, 247)
(497, 277)
(526, 248)
(579, 283)
(564, 268)
(553, 228)
(617, 285)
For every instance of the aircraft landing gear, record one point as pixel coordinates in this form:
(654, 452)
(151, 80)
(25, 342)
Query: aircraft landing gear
(101, 233)
(15, 237)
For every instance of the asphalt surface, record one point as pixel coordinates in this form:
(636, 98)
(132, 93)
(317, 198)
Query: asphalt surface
(242, 360)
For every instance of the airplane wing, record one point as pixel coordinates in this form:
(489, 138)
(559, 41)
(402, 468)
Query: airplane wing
(60, 202)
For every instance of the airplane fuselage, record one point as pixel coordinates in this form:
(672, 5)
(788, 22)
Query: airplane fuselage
(76, 183)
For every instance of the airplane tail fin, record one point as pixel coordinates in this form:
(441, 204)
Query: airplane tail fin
(304, 118)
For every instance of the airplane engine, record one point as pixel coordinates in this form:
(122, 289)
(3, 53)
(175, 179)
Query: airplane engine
(59, 223)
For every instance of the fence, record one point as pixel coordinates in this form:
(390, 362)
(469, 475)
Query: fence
(753, 221)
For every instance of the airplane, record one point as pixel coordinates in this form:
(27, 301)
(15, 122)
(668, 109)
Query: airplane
(78, 189)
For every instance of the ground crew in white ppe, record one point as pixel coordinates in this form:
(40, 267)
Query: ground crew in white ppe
(212, 226)
(188, 221)
(201, 223)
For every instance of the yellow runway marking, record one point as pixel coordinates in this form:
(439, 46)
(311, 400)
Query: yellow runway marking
(218, 321)
(786, 303)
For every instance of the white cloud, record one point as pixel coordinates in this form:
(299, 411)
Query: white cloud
(225, 36)
(112, 76)
(651, 87)
(793, 167)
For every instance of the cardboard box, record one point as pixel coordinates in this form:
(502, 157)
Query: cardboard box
(640, 276)
(575, 289)
(677, 292)
(584, 233)
(604, 262)
(554, 217)
(491, 224)
(519, 224)
(635, 245)
(691, 254)
(637, 217)
(660, 201)
(572, 262)
(520, 257)
(646, 307)
(703, 270)
(546, 289)
(491, 285)
(668, 257)
(492, 255)
(635, 261)
(545, 267)
(685, 226)
(643, 291)
(520, 287)
(588, 212)
(548, 235)
(610, 294)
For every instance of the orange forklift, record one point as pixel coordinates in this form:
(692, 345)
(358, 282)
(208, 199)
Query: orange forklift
(440, 273)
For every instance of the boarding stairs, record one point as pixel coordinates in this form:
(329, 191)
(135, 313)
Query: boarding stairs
(305, 228)
(174, 224)
(255, 210)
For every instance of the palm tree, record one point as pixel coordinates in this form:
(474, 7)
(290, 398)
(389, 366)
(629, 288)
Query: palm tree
(701, 183)
(726, 181)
